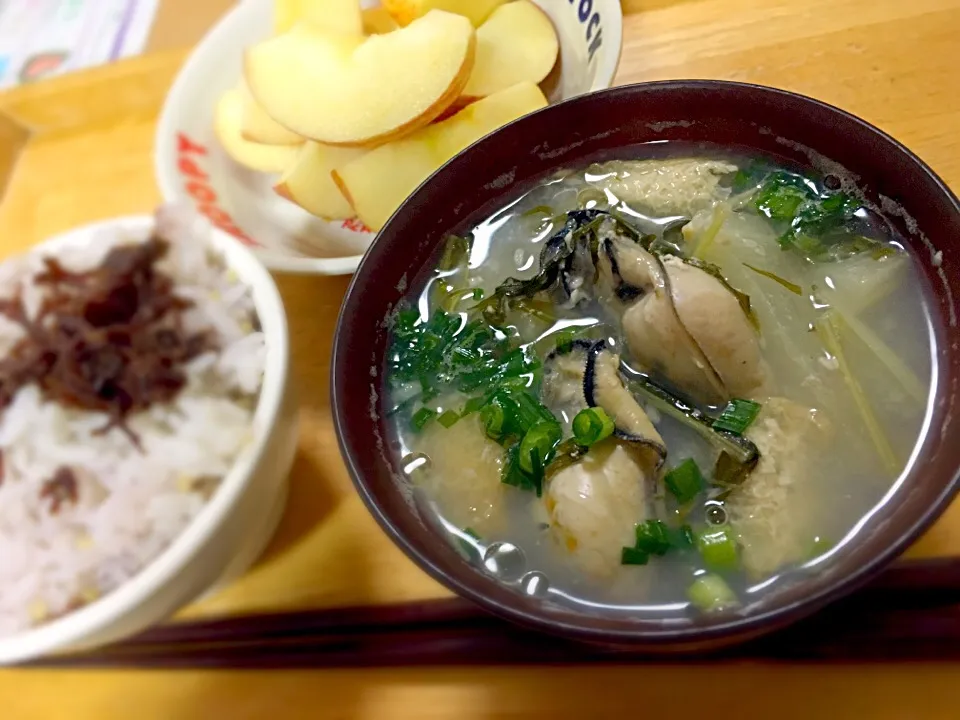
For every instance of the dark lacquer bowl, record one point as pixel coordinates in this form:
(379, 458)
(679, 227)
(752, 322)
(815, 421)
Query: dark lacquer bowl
(599, 126)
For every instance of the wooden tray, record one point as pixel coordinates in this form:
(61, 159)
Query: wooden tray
(78, 149)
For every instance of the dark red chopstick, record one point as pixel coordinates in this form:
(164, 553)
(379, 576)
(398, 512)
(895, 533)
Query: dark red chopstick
(912, 611)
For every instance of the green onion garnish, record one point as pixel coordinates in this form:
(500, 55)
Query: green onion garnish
(538, 445)
(473, 405)
(536, 470)
(653, 537)
(685, 481)
(421, 417)
(718, 549)
(530, 412)
(511, 474)
(711, 593)
(448, 419)
(592, 425)
(633, 556)
(493, 418)
(737, 416)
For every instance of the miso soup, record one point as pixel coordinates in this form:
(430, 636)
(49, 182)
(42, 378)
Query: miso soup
(662, 385)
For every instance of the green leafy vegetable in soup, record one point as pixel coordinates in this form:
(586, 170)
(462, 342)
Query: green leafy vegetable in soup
(819, 224)
(661, 381)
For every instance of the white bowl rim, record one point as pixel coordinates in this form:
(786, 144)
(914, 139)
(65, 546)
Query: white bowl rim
(607, 68)
(279, 262)
(163, 147)
(90, 619)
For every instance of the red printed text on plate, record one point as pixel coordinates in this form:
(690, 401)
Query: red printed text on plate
(356, 225)
(196, 181)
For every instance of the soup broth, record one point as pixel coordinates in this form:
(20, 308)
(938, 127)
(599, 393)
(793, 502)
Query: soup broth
(663, 385)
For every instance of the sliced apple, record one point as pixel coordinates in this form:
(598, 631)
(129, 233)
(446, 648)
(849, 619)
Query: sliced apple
(257, 126)
(379, 181)
(256, 156)
(341, 90)
(338, 17)
(309, 184)
(286, 14)
(406, 11)
(377, 21)
(516, 44)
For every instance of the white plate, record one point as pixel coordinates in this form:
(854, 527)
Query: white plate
(191, 166)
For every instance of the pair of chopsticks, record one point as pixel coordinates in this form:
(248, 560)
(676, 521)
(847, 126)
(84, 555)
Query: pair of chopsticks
(912, 611)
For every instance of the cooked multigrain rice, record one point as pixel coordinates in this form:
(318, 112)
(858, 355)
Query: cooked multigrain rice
(82, 510)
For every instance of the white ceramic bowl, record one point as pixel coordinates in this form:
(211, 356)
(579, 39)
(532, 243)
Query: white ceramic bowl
(233, 527)
(191, 166)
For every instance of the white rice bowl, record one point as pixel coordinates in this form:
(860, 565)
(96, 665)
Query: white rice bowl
(133, 503)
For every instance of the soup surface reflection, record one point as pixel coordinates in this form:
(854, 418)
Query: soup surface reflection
(669, 385)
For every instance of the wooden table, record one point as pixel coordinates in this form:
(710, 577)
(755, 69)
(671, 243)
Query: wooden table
(892, 62)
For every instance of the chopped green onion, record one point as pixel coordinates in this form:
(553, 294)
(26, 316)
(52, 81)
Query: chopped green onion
(591, 425)
(737, 416)
(685, 481)
(538, 445)
(633, 556)
(448, 419)
(511, 473)
(718, 549)
(536, 470)
(530, 412)
(422, 416)
(493, 418)
(711, 593)
(473, 405)
(472, 533)
(515, 475)
(653, 537)
(792, 287)
(688, 537)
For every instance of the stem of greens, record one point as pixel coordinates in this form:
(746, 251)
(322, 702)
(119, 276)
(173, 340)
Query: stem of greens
(903, 374)
(713, 229)
(830, 337)
(792, 287)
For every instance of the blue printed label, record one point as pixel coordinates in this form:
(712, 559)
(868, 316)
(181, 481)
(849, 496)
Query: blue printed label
(591, 22)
